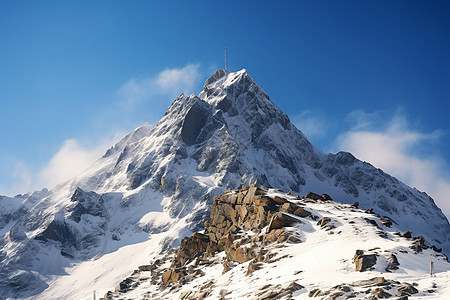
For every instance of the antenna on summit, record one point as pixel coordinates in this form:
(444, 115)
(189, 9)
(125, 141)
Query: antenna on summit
(226, 61)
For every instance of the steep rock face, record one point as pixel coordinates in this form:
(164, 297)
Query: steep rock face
(166, 176)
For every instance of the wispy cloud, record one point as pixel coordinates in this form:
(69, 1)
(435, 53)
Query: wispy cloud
(312, 123)
(401, 151)
(70, 160)
(169, 82)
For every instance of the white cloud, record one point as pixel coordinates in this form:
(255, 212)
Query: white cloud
(183, 79)
(312, 123)
(400, 151)
(169, 82)
(70, 160)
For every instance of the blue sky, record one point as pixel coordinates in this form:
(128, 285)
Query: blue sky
(370, 77)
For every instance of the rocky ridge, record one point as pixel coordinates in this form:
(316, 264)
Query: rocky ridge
(249, 234)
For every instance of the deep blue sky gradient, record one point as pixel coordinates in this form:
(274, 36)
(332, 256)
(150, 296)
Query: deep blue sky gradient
(62, 63)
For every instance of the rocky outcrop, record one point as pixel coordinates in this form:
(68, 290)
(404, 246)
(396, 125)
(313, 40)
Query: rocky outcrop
(233, 214)
(364, 261)
(392, 262)
(419, 244)
(171, 276)
(247, 209)
(192, 247)
(244, 235)
(406, 289)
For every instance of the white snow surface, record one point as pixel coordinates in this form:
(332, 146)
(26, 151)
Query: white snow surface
(156, 186)
(322, 260)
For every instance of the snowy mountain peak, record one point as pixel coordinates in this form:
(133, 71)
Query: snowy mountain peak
(157, 185)
(225, 90)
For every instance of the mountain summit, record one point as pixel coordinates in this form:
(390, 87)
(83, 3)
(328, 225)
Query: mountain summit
(157, 185)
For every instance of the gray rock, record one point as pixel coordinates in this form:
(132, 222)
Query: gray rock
(363, 262)
(393, 262)
(406, 289)
(193, 122)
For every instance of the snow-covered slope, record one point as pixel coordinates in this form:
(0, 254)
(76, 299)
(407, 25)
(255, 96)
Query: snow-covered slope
(157, 184)
(314, 256)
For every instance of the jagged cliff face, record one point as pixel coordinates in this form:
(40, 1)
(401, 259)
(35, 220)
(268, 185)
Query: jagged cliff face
(160, 181)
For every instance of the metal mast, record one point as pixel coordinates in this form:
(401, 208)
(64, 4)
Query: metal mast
(226, 61)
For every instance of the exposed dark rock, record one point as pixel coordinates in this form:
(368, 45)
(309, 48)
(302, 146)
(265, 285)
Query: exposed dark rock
(315, 293)
(406, 289)
(324, 221)
(171, 276)
(436, 249)
(222, 294)
(393, 262)
(276, 235)
(386, 222)
(407, 234)
(279, 200)
(370, 282)
(301, 212)
(326, 197)
(150, 267)
(227, 266)
(108, 295)
(345, 158)
(380, 293)
(294, 239)
(363, 262)
(186, 295)
(312, 196)
(280, 220)
(372, 222)
(193, 122)
(294, 286)
(240, 254)
(419, 244)
(122, 286)
(16, 285)
(58, 231)
(369, 211)
(216, 76)
(288, 207)
(335, 295)
(355, 205)
(343, 287)
(190, 248)
(252, 267)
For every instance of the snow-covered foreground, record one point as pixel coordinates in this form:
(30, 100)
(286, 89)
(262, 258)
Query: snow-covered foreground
(321, 261)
